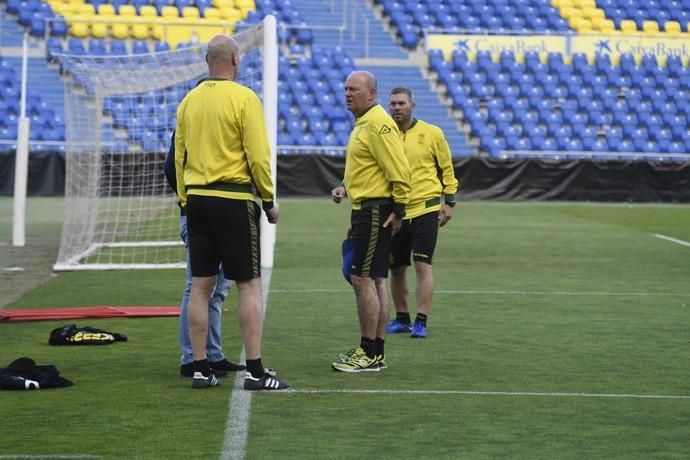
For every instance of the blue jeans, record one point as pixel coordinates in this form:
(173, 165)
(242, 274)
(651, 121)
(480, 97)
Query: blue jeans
(214, 348)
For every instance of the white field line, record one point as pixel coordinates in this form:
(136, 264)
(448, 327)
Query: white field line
(486, 393)
(672, 240)
(237, 425)
(500, 292)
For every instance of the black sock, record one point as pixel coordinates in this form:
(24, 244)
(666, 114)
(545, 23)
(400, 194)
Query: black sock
(378, 346)
(202, 366)
(403, 318)
(421, 318)
(368, 346)
(255, 367)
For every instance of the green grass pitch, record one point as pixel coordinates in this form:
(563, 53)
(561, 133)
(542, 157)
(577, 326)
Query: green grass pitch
(558, 331)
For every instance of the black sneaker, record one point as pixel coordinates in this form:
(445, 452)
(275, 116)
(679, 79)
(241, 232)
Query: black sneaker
(187, 370)
(265, 382)
(201, 381)
(226, 366)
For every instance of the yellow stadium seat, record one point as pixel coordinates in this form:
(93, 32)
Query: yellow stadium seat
(571, 12)
(62, 9)
(148, 11)
(650, 27)
(212, 14)
(585, 3)
(245, 6)
(231, 14)
(582, 25)
(224, 4)
(672, 27)
(71, 9)
(86, 10)
(157, 29)
(177, 33)
(170, 12)
(99, 29)
(139, 30)
(592, 13)
(203, 32)
(190, 13)
(596, 23)
(607, 26)
(628, 26)
(119, 29)
(79, 28)
(106, 9)
(127, 11)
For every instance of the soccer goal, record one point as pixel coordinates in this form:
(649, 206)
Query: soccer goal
(120, 213)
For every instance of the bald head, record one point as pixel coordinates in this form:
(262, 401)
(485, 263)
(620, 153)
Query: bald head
(360, 91)
(367, 79)
(222, 57)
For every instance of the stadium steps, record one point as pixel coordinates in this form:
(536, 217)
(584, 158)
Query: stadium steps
(11, 33)
(318, 13)
(42, 80)
(429, 107)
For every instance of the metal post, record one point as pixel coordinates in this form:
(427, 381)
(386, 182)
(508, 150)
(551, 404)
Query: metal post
(270, 103)
(21, 159)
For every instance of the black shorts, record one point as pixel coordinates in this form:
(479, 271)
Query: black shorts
(224, 231)
(371, 241)
(416, 236)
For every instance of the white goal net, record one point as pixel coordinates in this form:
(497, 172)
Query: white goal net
(120, 212)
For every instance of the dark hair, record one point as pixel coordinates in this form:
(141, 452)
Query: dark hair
(402, 90)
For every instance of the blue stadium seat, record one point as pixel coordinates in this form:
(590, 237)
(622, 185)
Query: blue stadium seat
(140, 47)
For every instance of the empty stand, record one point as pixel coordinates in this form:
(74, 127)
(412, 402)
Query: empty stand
(569, 110)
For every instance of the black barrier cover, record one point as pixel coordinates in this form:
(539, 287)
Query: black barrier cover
(46, 174)
(524, 179)
(481, 178)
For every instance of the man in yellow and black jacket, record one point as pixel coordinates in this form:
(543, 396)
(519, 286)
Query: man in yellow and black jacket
(221, 155)
(377, 182)
(431, 203)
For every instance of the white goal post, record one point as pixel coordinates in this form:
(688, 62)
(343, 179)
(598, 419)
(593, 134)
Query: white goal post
(120, 212)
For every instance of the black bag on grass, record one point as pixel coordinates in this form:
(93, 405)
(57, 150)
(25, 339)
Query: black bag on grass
(24, 374)
(87, 335)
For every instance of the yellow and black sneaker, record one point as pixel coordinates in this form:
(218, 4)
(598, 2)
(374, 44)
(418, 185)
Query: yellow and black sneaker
(343, 357)
(358, 362)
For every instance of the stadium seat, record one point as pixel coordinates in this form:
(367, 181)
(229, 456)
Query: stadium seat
(140, 47)
(672, 27)
(628, 27)
(650, 27)
(118, 48)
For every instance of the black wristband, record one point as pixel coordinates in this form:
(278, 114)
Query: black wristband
(267, 205)
(399, 210)
(449, 200)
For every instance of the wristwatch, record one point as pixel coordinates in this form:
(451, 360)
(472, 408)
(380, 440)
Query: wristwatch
(449, 200)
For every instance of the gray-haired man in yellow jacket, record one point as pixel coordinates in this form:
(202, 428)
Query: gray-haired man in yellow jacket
(377, 182)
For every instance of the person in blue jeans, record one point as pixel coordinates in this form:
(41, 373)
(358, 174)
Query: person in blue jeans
(214, 348)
